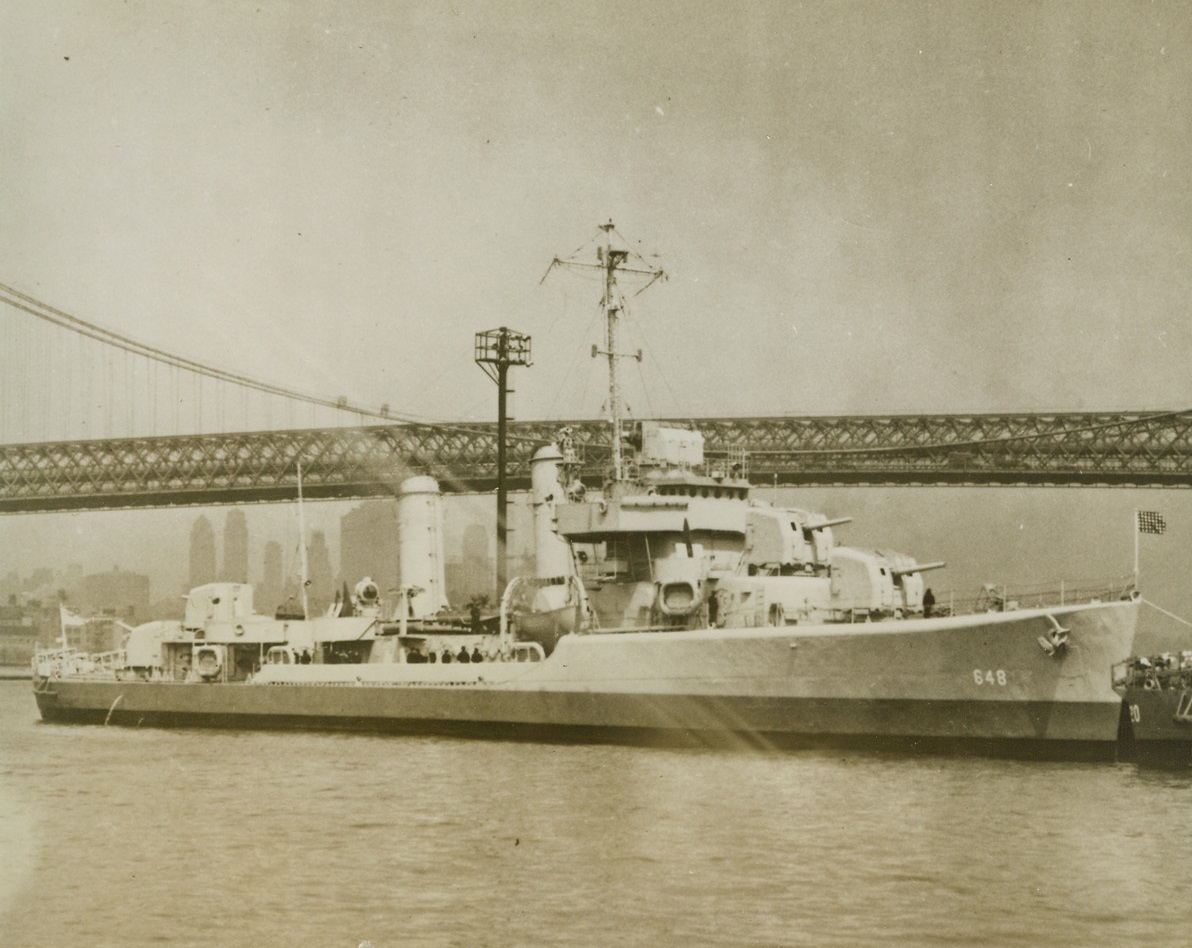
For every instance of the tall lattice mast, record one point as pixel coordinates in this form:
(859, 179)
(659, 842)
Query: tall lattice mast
(612, 260)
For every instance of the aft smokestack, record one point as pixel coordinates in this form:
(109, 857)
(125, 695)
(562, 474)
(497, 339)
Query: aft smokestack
(420, 540)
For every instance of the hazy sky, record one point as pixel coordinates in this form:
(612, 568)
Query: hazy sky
(864, 206)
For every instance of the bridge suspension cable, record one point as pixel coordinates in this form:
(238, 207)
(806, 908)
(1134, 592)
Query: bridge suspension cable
(57, 317)
(83, 328)
(875, 444)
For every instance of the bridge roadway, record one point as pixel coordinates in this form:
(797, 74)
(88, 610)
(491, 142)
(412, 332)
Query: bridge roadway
(1140, 449)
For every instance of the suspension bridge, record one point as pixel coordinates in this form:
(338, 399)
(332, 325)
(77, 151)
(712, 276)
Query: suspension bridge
(133, 452)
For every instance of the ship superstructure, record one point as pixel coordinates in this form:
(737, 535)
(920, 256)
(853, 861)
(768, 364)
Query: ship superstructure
(684, 545)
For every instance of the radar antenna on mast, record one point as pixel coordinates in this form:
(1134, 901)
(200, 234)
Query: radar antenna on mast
(612, 258)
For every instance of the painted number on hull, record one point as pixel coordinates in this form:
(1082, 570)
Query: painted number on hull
(989, 677)
(1135, 713)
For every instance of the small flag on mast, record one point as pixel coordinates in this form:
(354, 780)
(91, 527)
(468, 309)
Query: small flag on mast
(1150, 521)
(69, 619)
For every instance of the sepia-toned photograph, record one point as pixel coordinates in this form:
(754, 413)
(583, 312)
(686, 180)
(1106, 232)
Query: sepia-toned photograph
(656, 473)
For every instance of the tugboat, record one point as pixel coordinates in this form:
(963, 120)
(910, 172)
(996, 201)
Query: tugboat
(1157, 692)
(671, 605)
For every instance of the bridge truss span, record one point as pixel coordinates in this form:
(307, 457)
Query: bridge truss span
(1138, 449)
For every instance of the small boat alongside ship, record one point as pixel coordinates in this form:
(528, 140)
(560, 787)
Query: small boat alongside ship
(673, 605)
(1157, 692)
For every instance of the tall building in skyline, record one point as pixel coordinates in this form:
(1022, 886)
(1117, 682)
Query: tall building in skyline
(235, 544)
(474, 573)
(322, 577)
(268, 595)
(202, 552)
(368, 544)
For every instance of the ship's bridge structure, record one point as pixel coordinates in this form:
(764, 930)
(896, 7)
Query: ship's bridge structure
(90, 419)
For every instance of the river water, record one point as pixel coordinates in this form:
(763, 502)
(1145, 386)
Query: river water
(137, 837)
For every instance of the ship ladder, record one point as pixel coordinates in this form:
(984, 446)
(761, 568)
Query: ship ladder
(1183, 711)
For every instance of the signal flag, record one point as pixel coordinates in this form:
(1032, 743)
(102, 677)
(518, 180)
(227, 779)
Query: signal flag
(1150, 521)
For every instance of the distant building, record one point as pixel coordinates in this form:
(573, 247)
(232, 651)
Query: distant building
(41, 577)
(322, 577)
(72, 579)
(116, 593)
(269, 593)
(18, 634)
(474, 573)
(202, 553)
(10, 585)
(94, 634)
(235, 561)
(368, 544)
(33, 618)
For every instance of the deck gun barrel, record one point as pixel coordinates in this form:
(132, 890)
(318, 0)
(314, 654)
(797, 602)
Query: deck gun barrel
(827, 523)
(917, 568)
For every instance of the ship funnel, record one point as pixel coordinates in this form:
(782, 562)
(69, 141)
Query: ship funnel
(420, 540)
(552, 554)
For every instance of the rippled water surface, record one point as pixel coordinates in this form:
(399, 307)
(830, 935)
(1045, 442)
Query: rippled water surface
(113, 836)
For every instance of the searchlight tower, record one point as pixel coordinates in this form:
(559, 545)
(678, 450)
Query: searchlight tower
(496, 351)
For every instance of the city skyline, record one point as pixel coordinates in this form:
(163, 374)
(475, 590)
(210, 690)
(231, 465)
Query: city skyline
(273, 564)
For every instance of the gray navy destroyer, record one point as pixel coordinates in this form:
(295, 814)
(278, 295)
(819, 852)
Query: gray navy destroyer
(673, 605)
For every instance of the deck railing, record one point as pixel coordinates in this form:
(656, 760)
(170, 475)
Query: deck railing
(56, 662)
(995, 597)
(1168, 671)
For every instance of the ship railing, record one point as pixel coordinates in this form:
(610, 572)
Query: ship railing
(995, 597)
(730, 463)
(46, 658)
(72, 661)
(63, 661)
(734, 464)
(110, 661)
(1167, 671)
(527, 652)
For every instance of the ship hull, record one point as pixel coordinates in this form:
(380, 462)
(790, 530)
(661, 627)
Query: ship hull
(978, 684)
(1031, 729)
(1161, 737)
